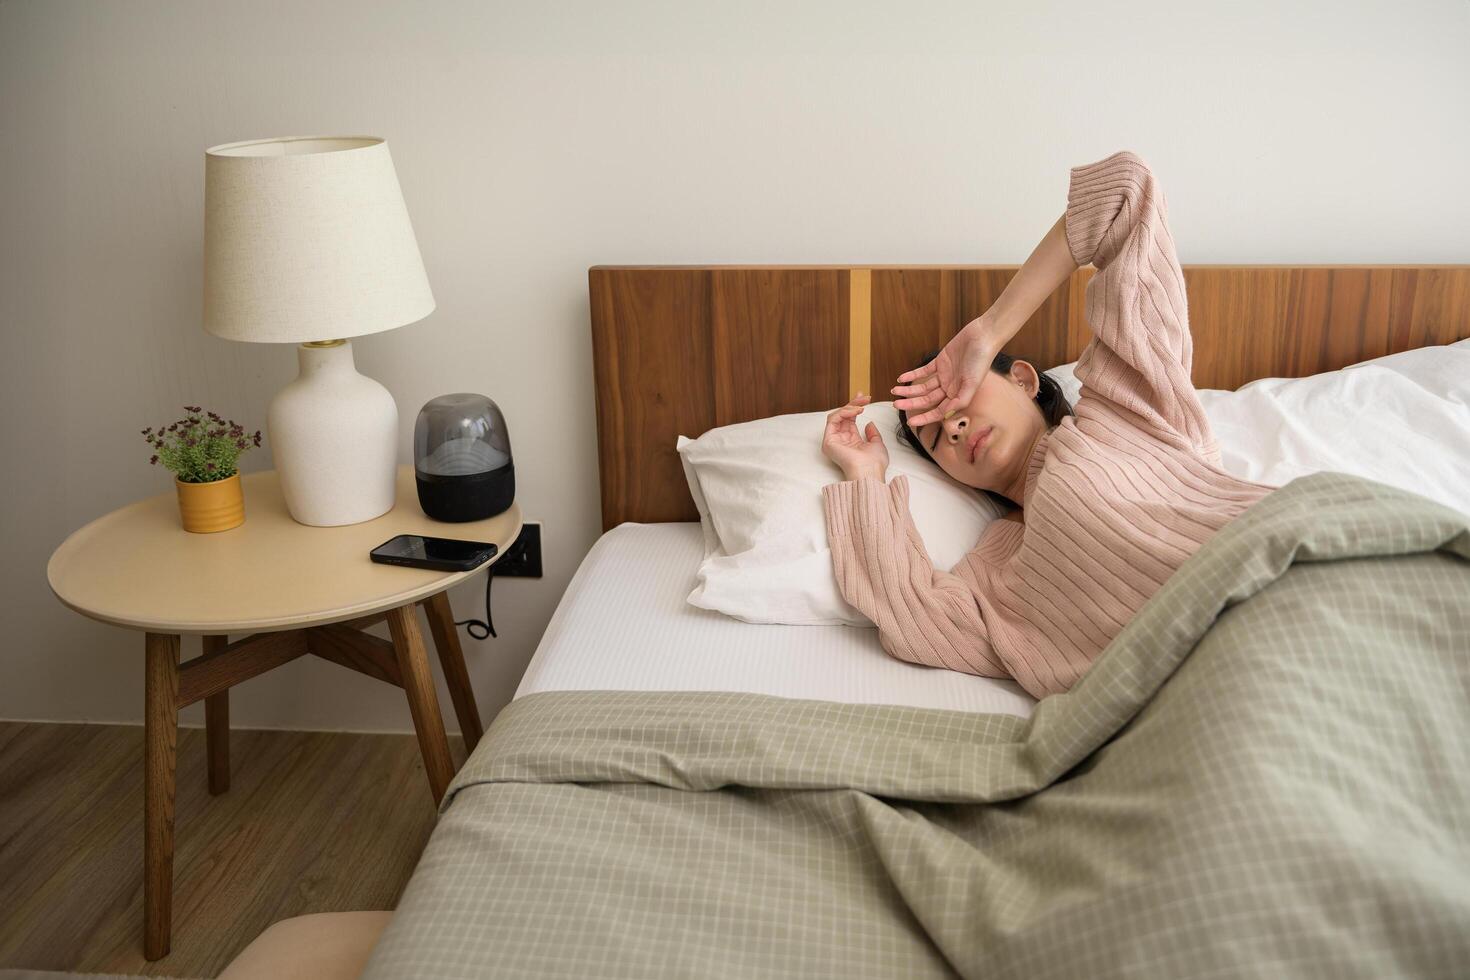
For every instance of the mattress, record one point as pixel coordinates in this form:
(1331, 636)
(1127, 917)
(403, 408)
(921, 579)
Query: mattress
(624, 625)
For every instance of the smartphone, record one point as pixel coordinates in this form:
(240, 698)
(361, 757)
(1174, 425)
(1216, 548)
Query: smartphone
(440, 554)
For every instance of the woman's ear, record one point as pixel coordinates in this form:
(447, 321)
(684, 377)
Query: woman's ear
(1023, 374)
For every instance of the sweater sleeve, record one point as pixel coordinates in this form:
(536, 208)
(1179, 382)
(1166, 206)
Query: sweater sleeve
(1141, 353)
(923, 615)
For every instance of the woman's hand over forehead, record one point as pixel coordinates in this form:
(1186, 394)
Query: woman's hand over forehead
(947, 383)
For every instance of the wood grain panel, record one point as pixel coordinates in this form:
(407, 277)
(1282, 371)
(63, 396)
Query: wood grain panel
(1428, 305)
(1223, 301)
(654, 371)
(779, 341)
(913, 313)
(1259, 322)
(679, 350)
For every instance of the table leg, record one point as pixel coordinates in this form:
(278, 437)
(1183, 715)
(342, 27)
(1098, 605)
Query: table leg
(160, 733)
(451, 657)
(423, 703)
(217, 728)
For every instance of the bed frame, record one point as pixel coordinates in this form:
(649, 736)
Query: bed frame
(679, 350)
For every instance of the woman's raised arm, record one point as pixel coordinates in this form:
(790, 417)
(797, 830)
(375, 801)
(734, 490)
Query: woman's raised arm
(1142, 352)
(949, 381)
(1048, 266)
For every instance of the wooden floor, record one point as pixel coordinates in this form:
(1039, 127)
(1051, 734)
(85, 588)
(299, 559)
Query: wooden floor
(313, 822)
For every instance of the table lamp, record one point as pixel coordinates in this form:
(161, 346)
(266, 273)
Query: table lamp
(307, 241)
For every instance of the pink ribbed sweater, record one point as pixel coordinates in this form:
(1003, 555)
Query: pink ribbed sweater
(1116, 497)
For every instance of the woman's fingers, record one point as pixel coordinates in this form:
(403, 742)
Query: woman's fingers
(851, 409)
(918, 388)
(842, 427)
(919, 421)
(936, 406)
(920, 402)
(938, 414)
(840, 422)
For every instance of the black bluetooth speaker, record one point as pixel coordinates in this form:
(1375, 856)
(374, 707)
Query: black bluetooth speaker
(462, 460)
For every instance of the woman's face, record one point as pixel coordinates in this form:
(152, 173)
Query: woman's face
(986, 443)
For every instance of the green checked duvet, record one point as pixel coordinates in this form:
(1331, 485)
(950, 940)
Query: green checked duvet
(1267, 774)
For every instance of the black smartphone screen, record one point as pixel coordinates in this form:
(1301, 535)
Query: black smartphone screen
(439, 553)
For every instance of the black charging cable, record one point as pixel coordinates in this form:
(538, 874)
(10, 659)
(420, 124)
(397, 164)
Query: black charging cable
(487, 626)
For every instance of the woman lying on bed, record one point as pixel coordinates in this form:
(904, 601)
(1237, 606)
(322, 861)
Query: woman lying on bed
(1109, 500)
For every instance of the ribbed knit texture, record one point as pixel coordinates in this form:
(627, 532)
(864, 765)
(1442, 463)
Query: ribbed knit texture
(1116, 497)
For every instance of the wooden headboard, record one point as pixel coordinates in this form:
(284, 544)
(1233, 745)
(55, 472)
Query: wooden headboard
(679, 350)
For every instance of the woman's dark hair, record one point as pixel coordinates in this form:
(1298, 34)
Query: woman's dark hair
(1049, 399)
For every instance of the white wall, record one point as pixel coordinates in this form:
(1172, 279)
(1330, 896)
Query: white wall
(533, 140)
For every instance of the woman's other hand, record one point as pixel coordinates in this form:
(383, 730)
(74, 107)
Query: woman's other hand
(948, 382)
(859, 454)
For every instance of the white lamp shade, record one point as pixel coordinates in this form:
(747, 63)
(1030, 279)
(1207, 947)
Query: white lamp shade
(307, 238)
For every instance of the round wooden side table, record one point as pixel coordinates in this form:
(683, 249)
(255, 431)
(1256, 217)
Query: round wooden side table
(295, 590)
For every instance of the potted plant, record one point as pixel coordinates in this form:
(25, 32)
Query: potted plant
(203, 451)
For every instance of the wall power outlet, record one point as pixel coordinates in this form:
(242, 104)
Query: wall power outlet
(523, 558)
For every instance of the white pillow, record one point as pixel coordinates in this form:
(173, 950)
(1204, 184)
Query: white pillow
(758, 485)
(1402, 419)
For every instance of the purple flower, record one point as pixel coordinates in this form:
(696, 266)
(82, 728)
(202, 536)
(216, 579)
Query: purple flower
(209, 466)
(153, 461)
(239, 443)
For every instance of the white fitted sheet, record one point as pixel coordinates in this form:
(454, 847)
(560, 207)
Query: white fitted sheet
(624, 625)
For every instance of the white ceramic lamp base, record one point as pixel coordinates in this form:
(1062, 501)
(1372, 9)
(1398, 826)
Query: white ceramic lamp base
(334, 435)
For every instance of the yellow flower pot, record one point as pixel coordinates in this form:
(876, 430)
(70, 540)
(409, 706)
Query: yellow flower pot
(209, 507)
